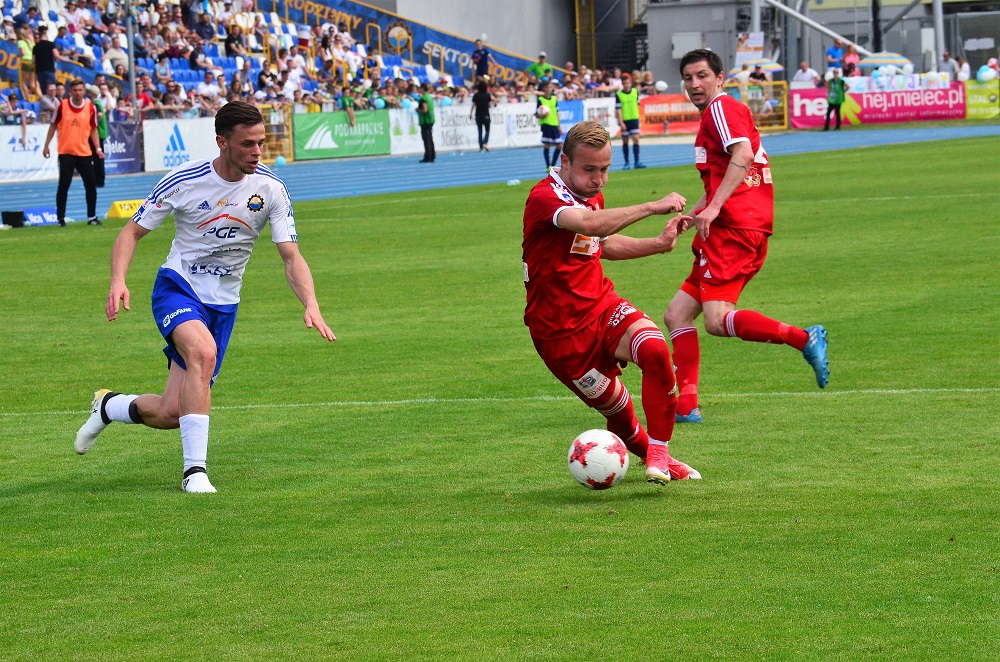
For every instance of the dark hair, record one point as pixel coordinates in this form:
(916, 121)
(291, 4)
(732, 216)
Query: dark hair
(234, 114)
(481, 87)
(702, 55)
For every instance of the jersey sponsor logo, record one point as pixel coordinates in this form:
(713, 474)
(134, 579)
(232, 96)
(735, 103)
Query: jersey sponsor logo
(175, 153)
(767, 175)
(205, 206)
(171, 316)
(700, 154)
(226, 203)
(753, 177)
(255, 203)
(593, 384)
(563, 193)
(218, 230)
(167, 196)
(584, 245)
(621, 312)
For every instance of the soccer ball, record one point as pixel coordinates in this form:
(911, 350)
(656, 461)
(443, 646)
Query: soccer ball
(598, 459)
(661, 86)
(543, 111)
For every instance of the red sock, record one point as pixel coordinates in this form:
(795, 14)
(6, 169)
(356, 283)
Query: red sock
(659, 400)
(687, 357)
(754, 327)
(622, 420)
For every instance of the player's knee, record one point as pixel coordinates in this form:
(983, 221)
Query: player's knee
(715, 325)
(675, 318)
(201, 358)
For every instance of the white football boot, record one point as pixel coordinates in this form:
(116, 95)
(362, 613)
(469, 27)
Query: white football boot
(197, 482)
(86, 436)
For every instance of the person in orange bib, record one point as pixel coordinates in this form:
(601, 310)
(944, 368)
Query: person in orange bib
(76, 120)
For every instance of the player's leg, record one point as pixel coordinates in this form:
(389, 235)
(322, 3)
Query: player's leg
(66, 167)
(619, 411)
(85, 166)
(679, 317)
(486, 133)
(625, 148)
(557, 148)
(196, 345)
(635, 151)
(644, 345)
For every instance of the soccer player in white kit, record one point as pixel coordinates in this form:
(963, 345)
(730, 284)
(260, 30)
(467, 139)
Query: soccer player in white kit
(220, 207)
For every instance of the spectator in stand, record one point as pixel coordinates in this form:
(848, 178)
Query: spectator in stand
(805, 74)
(541, 69)
(143, 99)
(96, 23)
(851, 60)
(140, 43)
(758, 75)
(481, 58)
(26, 45)
(13, 114)
(114, 56)
(265, 77)
(207, 87)
(205, 29)
(286, 84)
(28, 18)
(176, 21)
(175, 90)
(162, 71)
(482, 101)
(326, 75)
(197, 60)
(122, 111)
(235, 42)
(260, 33)
(946, 65)
(227, 17)
(835, 55)
(69, 15)
(47, 104)
(964, 70)
(188, 110)
(615, 83)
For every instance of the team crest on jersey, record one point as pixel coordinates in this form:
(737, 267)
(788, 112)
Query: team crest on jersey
(753, 177)
(563, 193)
(255, 203)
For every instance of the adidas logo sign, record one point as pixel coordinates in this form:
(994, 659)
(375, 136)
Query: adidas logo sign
(204, 205)
(175, 152)
(707, 274)
(322, 139)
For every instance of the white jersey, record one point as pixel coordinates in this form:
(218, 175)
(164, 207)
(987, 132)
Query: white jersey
(218, 223)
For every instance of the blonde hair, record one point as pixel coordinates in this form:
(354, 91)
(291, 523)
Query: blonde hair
(587, 133)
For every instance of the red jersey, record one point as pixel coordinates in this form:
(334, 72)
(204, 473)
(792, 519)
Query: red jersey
(563, 275)
(725, 122)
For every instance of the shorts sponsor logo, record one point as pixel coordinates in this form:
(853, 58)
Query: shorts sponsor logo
(593, 384)
(171, 316)
(621, 312)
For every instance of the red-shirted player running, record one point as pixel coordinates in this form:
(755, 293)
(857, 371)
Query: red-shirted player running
(580, 326)
(738, 206)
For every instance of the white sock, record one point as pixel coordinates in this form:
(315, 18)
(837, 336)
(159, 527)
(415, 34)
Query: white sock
(117, 407)
(657, 442)
(194, 439)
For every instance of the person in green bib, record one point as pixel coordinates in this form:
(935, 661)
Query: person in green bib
(627, 110)
(836, 94)
(425, 117)
(94, 94)
(548, 119)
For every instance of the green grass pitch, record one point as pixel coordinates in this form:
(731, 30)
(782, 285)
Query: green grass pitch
(403, 492)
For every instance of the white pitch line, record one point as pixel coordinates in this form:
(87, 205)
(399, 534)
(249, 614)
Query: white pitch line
(544, 398)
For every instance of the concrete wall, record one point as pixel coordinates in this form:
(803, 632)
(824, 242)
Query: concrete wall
(524, 27)
(714, 20)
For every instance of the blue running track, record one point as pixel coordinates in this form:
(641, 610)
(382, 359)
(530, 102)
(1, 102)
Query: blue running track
(317, 180)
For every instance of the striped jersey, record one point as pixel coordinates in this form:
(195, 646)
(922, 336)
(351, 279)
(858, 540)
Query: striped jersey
(218, 223)
(725, 122)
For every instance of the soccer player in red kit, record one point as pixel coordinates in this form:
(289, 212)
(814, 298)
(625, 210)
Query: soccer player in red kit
(734, 219)
(579, 325)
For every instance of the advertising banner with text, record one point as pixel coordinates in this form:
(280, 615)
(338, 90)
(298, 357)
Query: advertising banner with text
(982, 100)
(660, 114)
(22, 160)
(602, 111)
(169, 143)
(331, 136)
(808, 107)
(122, 149)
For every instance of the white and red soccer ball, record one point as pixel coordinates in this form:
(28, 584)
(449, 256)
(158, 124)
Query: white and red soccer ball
(598, 459)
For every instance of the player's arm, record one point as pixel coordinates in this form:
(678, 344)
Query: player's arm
(606, 222)
(620, 247)
(301, 281)
(121, 258)
(95, 140)
(739, 165)
(48, 138)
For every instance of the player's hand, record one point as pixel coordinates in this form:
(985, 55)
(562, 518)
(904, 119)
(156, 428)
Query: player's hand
(45, 152)
(671, 203)
(683, 223)
(117, 293)
(703, 219)
(314, 320)
(668, 238)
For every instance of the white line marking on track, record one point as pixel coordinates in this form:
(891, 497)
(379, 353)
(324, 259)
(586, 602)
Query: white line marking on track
(543, 398)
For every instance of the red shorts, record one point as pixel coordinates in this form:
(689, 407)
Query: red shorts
(724, 263)
(585, 361)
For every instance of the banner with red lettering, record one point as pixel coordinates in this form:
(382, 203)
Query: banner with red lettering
(808, 107)
(667, 113)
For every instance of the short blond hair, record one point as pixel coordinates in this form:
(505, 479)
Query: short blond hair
(587, 133)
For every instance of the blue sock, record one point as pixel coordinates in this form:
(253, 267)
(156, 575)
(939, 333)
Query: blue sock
(635, 151)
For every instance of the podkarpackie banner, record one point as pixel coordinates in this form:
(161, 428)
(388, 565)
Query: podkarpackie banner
(808, 107)
(10, 61)
(430, 46)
